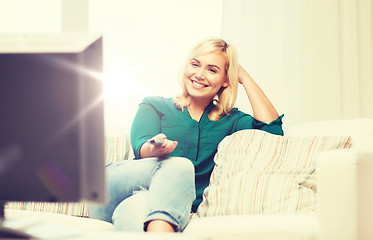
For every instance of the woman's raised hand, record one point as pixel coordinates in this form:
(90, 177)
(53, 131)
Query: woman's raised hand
(243, 75)
(263, 110)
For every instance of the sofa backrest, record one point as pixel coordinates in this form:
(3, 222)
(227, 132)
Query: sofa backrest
(361, 130)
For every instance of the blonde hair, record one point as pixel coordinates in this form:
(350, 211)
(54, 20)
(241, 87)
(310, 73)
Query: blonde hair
(226, 96)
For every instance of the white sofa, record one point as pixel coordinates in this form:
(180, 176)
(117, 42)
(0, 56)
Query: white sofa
(343, 209)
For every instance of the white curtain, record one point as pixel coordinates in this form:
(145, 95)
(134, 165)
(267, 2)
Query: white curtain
(312, 58)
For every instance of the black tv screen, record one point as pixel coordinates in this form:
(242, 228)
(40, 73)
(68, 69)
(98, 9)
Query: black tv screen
(51, 118)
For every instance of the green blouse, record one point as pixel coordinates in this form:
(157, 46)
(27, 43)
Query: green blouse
(197, 141)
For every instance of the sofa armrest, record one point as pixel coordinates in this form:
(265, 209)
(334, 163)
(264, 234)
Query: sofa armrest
(344, 179)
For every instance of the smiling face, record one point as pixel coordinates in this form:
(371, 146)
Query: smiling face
(205, 75)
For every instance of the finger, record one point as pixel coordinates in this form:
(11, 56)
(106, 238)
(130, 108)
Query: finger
(160, 135)
(168, 148)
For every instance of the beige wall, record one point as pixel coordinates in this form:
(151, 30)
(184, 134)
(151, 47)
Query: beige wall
(146, 42)
(312, 58)
(36, 16)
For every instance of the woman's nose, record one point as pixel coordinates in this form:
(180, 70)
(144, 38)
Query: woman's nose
(200, 74)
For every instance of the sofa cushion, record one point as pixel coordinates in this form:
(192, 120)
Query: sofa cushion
(259, 226)
(257, 172)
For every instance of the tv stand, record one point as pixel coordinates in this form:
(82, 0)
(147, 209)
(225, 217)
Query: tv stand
(26, 224)
(9, 233)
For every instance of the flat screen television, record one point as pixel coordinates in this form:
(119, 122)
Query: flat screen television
(51, 118)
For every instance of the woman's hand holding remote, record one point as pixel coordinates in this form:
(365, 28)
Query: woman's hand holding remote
(158, 146)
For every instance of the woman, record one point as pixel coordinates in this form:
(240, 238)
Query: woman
(158, 191)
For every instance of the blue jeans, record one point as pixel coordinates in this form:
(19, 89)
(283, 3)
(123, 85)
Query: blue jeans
(147, 189)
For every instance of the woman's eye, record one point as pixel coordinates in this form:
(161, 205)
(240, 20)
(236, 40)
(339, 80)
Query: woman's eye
(194, 64)
(212, 70)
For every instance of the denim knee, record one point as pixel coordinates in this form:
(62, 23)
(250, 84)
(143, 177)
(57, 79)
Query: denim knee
(130, 214)
(170, 182)
(180, 165)
(176, 183)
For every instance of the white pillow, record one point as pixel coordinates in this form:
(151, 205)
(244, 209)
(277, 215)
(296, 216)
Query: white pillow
(257, 172)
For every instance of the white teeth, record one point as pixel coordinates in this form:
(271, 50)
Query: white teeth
(199, 85)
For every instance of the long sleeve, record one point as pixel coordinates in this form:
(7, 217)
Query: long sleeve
(249, 122)
(146, 124)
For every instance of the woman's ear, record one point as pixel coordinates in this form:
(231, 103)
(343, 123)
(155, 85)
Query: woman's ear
(226, 83)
